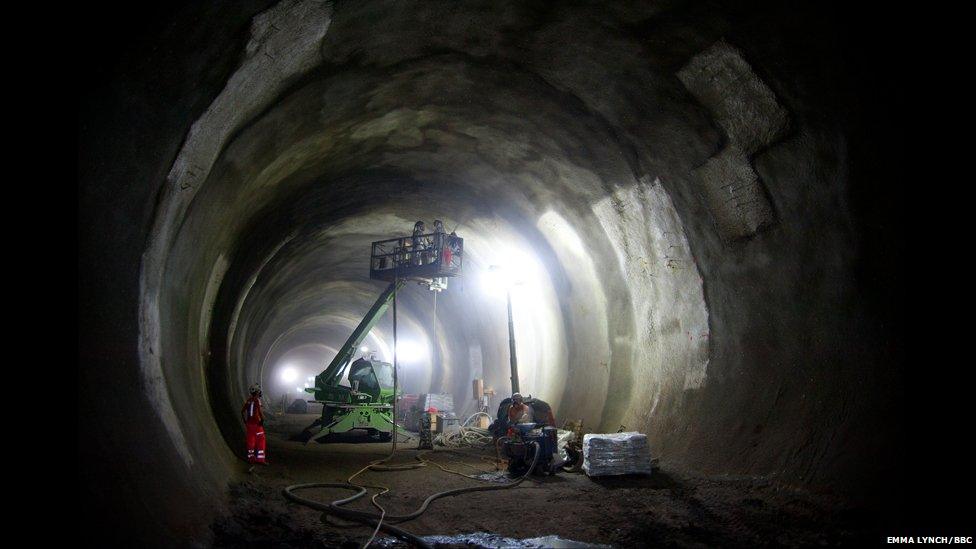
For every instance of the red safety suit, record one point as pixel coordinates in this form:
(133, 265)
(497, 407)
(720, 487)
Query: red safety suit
(254, 424)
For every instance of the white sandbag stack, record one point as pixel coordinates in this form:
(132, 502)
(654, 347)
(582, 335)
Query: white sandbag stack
(616, 454)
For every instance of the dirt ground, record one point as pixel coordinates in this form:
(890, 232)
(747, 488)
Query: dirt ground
(664, 509)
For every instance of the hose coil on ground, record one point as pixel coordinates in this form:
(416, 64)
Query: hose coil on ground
(383, 521)
(475, 437)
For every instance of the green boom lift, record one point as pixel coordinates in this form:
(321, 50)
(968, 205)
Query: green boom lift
(367, 402)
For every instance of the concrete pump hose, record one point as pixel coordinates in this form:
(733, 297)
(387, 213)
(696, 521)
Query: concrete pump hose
(348, 514)
(384, 521)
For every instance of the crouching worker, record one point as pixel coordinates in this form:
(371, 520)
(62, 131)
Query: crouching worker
(253, 418)
(518, 409)
(531, 410)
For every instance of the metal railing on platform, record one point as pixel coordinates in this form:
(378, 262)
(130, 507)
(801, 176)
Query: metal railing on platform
(423, 256)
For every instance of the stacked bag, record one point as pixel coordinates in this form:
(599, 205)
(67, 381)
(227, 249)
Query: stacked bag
(616, 454)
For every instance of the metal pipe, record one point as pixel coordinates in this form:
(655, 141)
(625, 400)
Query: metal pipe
(393, 409)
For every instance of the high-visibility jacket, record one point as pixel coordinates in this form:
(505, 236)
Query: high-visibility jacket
(252, 411)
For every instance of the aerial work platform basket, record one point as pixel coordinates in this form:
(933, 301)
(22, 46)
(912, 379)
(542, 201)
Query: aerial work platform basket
(367, 403)
(423, 257)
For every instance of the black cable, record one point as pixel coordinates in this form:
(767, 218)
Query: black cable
(335, 509)
(372, 518)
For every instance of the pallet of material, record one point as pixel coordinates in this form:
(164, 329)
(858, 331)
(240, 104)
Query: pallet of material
(616, 454)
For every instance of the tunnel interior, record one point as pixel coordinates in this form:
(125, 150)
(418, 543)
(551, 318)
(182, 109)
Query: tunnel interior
(682, 189)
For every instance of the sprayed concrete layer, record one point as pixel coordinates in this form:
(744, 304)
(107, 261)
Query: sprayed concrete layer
(559, 141)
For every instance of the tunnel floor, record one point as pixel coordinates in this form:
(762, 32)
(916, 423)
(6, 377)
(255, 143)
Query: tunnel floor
(668, 508)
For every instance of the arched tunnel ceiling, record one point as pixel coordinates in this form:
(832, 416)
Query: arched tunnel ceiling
(571, 143)
(511, 153)
(510, 137)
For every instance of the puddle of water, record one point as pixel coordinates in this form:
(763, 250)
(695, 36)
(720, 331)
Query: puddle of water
(484, 540)
(494, 477)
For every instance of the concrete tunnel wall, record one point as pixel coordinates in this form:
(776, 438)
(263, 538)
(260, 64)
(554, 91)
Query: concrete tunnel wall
(560, 139)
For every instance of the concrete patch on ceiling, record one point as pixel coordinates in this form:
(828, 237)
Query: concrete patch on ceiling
(746, 109)
(734, 194)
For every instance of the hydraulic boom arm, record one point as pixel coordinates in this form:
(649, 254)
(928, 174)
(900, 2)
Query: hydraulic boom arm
(330, 376)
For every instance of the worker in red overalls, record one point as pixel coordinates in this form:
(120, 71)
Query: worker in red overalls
(254, 424)
(521, 411)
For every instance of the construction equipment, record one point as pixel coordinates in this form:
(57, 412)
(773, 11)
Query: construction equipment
(541, 411)
(298, 406)
(428, 259)
(522, 444)
(519, 441)
(367, 402)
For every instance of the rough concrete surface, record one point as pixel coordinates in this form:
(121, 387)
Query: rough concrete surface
(690, 269)
(741, 102)
(734, 194)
